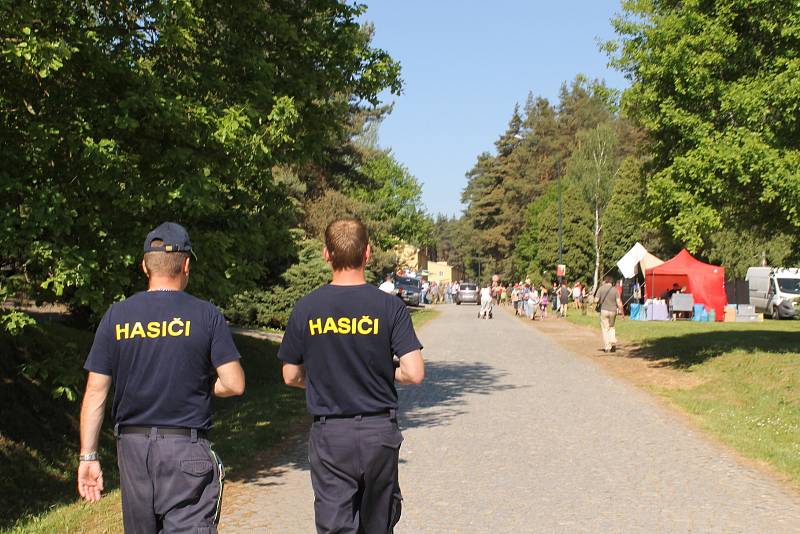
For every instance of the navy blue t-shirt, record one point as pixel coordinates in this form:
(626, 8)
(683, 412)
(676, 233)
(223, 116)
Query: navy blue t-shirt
(161, 348)
(346, 337)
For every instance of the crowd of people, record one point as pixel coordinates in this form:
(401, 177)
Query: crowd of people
(430, 292)
(534, 302)
(526, 298)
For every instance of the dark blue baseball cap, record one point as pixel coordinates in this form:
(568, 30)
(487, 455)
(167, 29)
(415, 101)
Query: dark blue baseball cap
(173, 235)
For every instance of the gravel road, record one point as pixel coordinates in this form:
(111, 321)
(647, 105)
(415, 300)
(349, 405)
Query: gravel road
(512, 433)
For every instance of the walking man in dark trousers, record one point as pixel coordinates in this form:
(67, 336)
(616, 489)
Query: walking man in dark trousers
(166, 353)
(339, 344)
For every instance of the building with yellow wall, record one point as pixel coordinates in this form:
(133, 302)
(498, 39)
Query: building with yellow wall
(441, 272)
(410, 257)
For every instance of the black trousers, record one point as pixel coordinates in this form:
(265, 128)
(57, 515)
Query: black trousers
(170, 484)
(354, 474)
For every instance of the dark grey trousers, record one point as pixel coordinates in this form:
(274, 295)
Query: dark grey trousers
(170, 484)
(354, 474)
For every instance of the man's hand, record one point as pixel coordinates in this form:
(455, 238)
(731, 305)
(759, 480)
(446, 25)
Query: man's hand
(90, 476)
(294, 375)
(90, 480)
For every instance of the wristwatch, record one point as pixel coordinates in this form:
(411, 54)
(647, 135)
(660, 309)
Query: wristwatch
(91, 457)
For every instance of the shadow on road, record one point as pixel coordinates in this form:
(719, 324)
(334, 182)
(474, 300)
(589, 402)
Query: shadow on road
(267, 469)
(441, 397)
(437, 401)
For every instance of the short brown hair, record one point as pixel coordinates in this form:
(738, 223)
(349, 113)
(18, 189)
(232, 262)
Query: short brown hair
(164, 263)
(346, 240)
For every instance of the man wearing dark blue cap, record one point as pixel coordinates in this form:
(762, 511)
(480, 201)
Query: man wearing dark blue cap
(166, 353)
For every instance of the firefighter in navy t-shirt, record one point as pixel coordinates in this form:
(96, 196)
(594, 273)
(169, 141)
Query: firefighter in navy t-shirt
(166, 353)
(339, 344)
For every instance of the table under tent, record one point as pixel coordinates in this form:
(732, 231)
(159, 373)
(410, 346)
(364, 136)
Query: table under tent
(702, 285)
(703, 281)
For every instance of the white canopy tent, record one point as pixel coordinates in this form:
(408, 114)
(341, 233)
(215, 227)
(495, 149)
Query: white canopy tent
(637, 258)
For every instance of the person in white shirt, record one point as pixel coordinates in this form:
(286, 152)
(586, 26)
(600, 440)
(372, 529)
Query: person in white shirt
(533, 300)
(388, 285)
(486, 302)
(423, 296)
(577, 295)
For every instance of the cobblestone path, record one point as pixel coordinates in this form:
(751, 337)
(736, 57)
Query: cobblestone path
(513, 434)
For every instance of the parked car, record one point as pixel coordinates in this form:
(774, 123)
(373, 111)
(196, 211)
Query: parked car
(468, 293)
(409, 290)
(775, 291)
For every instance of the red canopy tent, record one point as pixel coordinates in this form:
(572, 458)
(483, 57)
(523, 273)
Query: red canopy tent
(705, 282)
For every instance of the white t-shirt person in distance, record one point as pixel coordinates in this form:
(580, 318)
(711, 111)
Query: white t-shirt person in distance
(387, 286)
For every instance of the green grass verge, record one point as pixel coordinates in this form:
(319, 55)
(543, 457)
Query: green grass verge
(39, 421)
(749, 376)
(421, 316)
(243, 427)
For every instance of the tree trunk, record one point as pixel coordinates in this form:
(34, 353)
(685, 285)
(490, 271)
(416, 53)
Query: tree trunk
(596, 248)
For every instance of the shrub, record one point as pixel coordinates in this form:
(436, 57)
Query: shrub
(270, 308)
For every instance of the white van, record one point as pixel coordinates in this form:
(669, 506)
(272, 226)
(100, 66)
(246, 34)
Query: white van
(775, 291)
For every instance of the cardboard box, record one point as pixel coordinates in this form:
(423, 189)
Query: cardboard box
(746, 318)
(747, 309)
(730, 315)
(760, 317)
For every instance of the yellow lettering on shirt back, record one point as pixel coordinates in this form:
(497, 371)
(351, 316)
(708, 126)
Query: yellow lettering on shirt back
(137, 330)
(363, 326)
(315, 327)
(330, 326)
(152, 330)
(344, 325)
(122, 331)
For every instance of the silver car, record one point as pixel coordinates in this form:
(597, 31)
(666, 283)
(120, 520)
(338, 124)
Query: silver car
(468, 293)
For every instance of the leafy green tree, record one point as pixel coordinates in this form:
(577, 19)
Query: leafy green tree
(627, 219)
(117, 116)
(487, 195)
(444, 240)
(396, 198)
(334, 205)
(593, 168)
(389, 203)
(500, 187)
(536, 254)
(271, 308)
(728, 248)
(715, 86)
(583, 104)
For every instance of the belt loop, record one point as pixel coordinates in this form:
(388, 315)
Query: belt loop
(116, 430)
(153, 433)
(392, 414)
(194, 435)
(322, 419)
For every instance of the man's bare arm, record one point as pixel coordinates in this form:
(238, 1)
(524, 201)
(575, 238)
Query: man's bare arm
(294, 375)
(90, 476)
(230, 380)
(93, 410)
(411, 370)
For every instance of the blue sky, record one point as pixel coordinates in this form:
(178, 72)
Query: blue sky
(466, 63)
